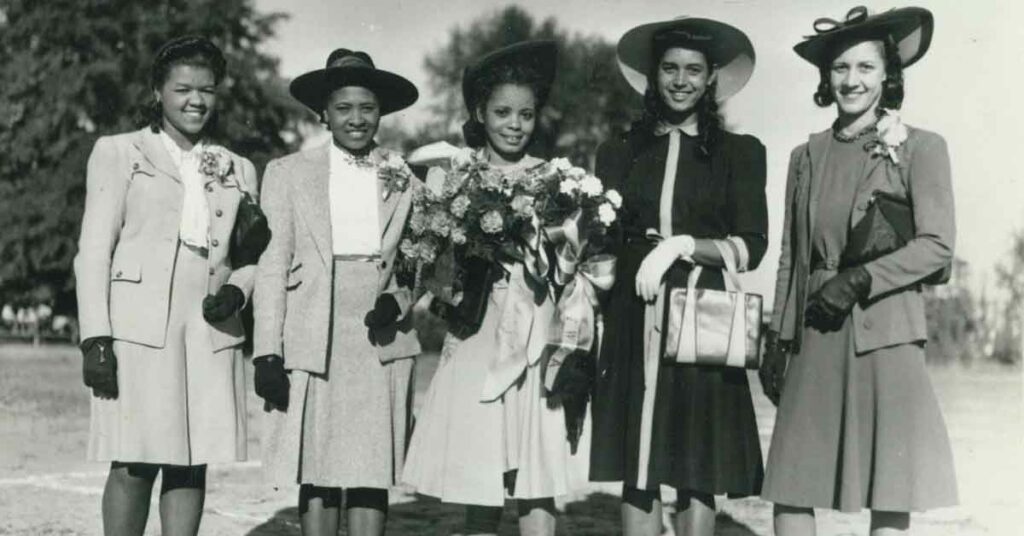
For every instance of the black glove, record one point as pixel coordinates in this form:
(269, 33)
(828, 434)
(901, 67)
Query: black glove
(385, 312)
(271, 380)
(99, 366)
(773, 367)
(226, 302)
(828, 306)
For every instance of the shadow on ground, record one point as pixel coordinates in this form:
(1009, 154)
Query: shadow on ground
(598, 515)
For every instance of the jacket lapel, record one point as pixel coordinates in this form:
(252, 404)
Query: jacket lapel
(313, 200)
(152, 148)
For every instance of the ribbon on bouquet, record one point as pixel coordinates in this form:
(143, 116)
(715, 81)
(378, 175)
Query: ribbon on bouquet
(573, 327)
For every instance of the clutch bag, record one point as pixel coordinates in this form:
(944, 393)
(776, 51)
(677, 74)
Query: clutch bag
(714, 327)
(250, 235)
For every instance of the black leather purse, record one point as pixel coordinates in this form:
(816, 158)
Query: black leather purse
(250, 235)
(887, 226)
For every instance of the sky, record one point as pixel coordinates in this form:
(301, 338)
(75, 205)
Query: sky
(965, 88)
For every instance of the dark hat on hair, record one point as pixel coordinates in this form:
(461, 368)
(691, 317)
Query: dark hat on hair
(353, 68)
(186, 46)
(727, 48)
(910, 29)
(541, 55)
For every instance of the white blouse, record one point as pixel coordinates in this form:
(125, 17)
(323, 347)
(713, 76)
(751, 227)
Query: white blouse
(355, 224)
(194, 228)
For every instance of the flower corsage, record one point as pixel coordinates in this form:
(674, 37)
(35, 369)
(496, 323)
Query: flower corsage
(891, 134)
(395, 173)
(215, 163)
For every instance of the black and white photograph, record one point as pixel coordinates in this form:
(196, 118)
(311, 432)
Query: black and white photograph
(511, 267)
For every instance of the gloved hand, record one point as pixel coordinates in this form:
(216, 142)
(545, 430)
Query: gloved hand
(385, 312)
(228, 300)
(828, 306)
(99, 366)
(458, 317)
(658, 261)
(271, 380)
(773, 367)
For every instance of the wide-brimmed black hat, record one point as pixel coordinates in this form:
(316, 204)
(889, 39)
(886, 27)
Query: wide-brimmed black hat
(353, 68)
(909, 27)
(541, 55)
(727, 48)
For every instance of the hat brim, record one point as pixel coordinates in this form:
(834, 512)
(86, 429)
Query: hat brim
(541, 54)
(730, 51)
(910, 27)
(393, 91)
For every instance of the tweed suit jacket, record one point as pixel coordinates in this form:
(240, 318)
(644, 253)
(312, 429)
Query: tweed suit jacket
(893, 313)
(129, 240)
(293, 287)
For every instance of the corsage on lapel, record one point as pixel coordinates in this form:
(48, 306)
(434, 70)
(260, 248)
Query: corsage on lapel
(395, 173)
(891, 134)
(215, 163)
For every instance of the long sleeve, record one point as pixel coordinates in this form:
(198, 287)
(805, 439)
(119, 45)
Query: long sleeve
(272, 269)
(106, 188)
(931, 193)
(244, 278)
(748, 206)
(784, 273)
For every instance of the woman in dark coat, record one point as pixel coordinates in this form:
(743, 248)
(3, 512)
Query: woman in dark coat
(858, 424)
(695, 429)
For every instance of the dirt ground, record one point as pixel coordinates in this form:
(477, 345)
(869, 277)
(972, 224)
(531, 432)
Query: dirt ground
(46, 488)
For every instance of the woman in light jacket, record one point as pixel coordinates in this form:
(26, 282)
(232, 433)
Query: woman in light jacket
(158, 299)
(333, 333)
(858, 424)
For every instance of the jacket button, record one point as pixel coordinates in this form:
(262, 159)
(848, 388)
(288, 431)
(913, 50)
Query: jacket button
(209, 187)
(211, 271)
(214, 242)
(135, 166)
(868, 323)
(384, 265)
(219, 212)
(119, 273)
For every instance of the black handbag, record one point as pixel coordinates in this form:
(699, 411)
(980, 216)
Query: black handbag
(250, 235)
(888, 225)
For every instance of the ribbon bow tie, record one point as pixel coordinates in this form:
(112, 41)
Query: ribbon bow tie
(855, 16)
(663, 128)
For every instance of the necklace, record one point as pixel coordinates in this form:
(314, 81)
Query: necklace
(850, 138)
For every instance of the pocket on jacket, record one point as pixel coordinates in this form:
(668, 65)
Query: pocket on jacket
(128, 271)
(294, 279)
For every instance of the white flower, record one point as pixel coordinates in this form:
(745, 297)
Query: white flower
(591, 186)
(458, 235)
(892, 132)
(568, 187)
(576, 173)
(561, 164)
(462, 159)
(606, 213)
(614, 198)
(395, 161)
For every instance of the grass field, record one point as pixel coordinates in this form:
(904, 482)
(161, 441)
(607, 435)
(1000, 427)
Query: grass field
(46, 488)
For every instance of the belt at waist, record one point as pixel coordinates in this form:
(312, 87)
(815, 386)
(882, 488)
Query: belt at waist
(357, 257)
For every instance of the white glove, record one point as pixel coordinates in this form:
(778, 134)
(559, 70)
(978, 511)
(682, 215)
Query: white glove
(658, 261)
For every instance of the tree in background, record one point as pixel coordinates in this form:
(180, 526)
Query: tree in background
(588, 103)
(954, 319)
(1009, 332)
(73, 70)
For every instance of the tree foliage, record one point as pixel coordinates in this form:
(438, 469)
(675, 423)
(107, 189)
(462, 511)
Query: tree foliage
(589, 101)
(1009, 336)
(73, 70)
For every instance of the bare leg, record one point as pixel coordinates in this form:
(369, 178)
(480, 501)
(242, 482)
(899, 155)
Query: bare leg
(641, 512)
(319, 510)
(126, 498)
(182, 495)
(537, 517)
(367, 511)
(696, 516)
(482, 520)
(794, 521)
(889, 523)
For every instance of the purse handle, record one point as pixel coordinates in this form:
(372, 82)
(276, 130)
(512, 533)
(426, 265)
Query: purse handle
(732, 278)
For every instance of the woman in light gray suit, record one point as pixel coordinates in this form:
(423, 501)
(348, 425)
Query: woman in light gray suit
(333, 334)
(158, 299)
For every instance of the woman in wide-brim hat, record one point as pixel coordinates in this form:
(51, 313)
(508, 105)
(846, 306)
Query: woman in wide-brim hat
(858, 425)
(333, 335)
(700, 188)
(487, 430)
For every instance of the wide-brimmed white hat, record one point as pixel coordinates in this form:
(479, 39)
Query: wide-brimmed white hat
(726, 47)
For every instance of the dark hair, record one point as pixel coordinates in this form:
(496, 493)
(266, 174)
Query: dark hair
(709, 120)
(513, 73)
(193, 50)
(892, 87)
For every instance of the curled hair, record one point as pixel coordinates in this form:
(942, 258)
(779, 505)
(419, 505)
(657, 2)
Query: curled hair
(709, 120)
(892, 87)
(512, 73)
(192, 50)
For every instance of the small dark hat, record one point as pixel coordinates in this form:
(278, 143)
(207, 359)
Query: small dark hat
(909, 27)
(725, 46)
(353, 68)
(541, 55)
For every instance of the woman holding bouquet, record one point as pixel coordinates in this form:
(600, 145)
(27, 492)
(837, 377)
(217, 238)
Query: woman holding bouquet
(858, 424)
(159, 296)
(486, 430)
(686, 184)
(333, 335)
